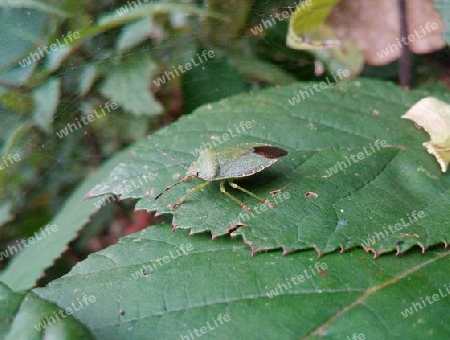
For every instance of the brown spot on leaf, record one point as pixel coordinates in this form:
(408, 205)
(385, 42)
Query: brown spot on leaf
(311, 194)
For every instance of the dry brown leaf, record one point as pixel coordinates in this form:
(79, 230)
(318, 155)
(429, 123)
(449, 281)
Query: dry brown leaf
(374, 24)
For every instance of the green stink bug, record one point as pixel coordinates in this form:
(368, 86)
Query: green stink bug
(228, 163)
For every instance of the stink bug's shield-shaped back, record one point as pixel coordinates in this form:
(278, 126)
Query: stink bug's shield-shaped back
(229, 163)
(247, 159)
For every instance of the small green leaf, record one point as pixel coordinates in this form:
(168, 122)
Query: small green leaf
(305, 31)
(17, 101)
(5, 212)
(15, 133)
(55, 59)
(23, 32)
(46, 99)
(134, 33)
(129, 85)
(88, 75)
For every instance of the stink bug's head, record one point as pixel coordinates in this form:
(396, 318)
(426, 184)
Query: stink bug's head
(206, 167)
(192, 170)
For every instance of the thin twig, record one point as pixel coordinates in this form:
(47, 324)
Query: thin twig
(404, 68)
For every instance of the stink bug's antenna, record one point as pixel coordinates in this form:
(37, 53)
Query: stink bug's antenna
(187, 178)
(172, 159)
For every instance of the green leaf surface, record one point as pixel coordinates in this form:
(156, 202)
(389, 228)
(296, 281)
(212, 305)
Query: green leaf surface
(5, 213)
(46, 99)
(307, 31)
(128, 84)
(57, 57)
(29, 264)
(387, 178)
(134, 33)
(126, 13)
(236, 15)
(150, 286)
(34, 4)
(88, 76)
(26, 316)
(259, 70)
(17, 75)
(304, 25)
(23, 32)
(15, 37)
(210, 81)
(345, 57)
(119, 17)
(13, 133)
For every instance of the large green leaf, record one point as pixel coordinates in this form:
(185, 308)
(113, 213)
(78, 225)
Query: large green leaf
(26, 316)
(162, 285)
(388, 186)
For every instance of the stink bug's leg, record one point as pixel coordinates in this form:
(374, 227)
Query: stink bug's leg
(197, 188)
(223, 190)
(235, 186)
